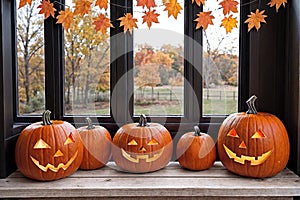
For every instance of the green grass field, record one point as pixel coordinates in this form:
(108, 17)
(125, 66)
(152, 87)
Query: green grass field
(169, 101)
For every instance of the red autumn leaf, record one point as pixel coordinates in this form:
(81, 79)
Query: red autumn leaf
(173, 8)
(229, 5)
(229, 23)
(278, 3)
(204, 19)
(147, 3)
(46, 8)
(199, 2)
(128, 22)
(102, 4)
(82, 7)
(65, 18)
(102, 23)
(24, 2)
(254, 19)
(150, 17)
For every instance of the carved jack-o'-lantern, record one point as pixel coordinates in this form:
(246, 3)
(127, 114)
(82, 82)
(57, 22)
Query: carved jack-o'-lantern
(142, 147)
(48, 150)
(253, 144)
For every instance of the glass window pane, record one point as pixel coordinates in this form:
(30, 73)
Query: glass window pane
(87, 67)
(31, 64)
(220, 65)
(158, 64)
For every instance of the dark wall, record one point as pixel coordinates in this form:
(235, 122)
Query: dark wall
(292, 82)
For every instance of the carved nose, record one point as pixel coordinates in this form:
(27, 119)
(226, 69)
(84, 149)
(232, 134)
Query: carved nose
(142, 149)
(243, 145)
(58, 154)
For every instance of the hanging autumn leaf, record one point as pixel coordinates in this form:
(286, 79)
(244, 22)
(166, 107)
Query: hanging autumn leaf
(229, 5)
(24, 2)
(102, 23)
(128, 22)
(65, 18)
(229, 23)
(102, 4)
(147, 3)
(204, 19)
(254, 19)
(46, 8)
(150, 17)
(82, 7)
(173, 8)
(278, 3)
(199, 2)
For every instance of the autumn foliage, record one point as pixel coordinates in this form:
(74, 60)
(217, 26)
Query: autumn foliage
(172, 7)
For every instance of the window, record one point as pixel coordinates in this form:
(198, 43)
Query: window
(117, 76)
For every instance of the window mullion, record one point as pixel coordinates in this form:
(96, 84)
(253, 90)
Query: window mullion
(54, 73)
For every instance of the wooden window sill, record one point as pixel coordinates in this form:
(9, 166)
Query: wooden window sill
(170, 182)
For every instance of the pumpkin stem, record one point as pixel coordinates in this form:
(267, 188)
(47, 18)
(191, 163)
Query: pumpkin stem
(143, 121)
(46, 117)
(197, 131)
(89, 122)
(251, 106)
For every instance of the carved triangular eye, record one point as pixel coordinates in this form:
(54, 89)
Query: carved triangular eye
(233, 133)
(258, 134)
(132, 142)
(41, 144)
(69, 139)
(153, 142)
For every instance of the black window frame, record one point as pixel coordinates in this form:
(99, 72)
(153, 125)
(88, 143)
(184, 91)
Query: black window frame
(277, 89)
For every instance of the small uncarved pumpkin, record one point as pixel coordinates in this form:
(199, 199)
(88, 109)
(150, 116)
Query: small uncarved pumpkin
(253, 144)
(196, 150)
(48, 150)
(142, 147)
(97, 146)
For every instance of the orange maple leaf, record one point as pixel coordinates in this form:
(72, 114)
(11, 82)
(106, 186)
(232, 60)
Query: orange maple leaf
(229, 5)
(278, 3)
(46, 8)
(147, 3)
(173, 8)
(24, 2)
(199, 2)
(229, 23)
(102, 23)
(65, 18)
(204, 19)
(82, 7)
(254, 19)
(150, 17)
(128, 22)
(102, 4)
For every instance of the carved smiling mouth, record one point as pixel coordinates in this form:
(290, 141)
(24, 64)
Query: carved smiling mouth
(253, 160)
(144, 156)
(52, 167)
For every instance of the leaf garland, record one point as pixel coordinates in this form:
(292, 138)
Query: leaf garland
(172, 7)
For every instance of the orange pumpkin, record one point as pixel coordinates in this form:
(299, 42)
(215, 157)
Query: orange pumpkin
(97, 146)
(142, 147)
(253, 144)
(196, 150)
(48, 150)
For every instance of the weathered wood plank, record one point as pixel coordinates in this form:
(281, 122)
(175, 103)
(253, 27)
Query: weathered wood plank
(172, 181)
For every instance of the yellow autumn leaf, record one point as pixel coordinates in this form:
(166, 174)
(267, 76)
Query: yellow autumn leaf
(229, 23)
(278, 3)
(82, 7)
(173, 8)
(254, 19)
(65, 18)
(128, 22)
